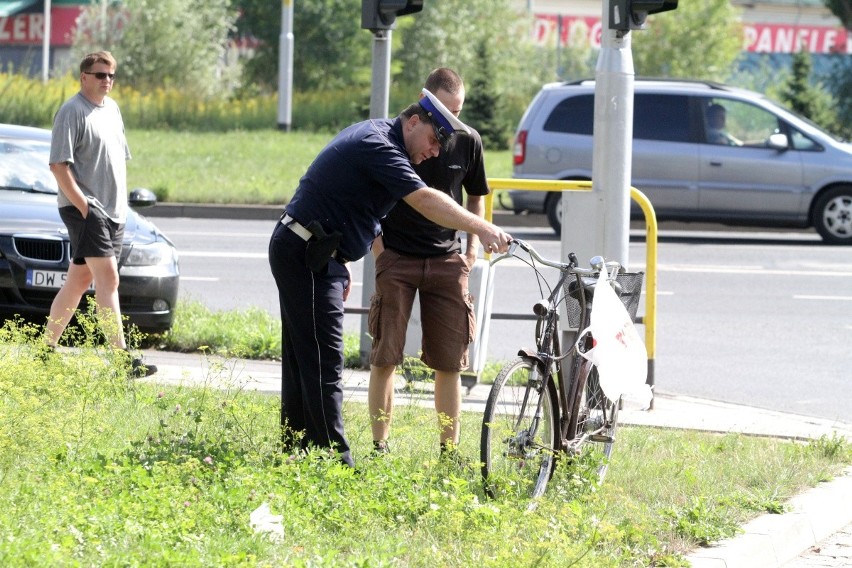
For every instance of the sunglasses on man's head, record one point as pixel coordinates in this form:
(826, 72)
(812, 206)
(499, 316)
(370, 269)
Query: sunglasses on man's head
(100, 75)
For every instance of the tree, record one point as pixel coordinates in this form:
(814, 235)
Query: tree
(842, 9)
(457, 34)
(162, 43)
(840, 80)
(482, 110)
(701, 39)
(806, 99)
(331, 51)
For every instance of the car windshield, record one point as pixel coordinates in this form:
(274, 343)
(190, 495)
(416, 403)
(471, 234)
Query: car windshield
(24, 166)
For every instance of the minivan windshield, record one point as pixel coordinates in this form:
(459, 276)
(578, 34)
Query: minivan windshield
(806, 120)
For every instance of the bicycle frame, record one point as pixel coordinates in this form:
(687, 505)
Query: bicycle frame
(555, 404)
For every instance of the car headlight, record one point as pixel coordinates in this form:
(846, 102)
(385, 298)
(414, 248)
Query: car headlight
(152, 254)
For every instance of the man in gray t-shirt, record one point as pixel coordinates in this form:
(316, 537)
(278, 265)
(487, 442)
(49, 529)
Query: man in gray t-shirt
(88, 155)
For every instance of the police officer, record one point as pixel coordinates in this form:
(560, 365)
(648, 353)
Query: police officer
(331, 220)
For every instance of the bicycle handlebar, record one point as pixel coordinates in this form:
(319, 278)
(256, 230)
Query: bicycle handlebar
(597, 263)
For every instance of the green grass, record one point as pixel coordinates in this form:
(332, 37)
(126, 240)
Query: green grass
(243, 167)
(96, 470)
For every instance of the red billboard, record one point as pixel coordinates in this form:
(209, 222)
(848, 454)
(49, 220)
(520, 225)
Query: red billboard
(757, 38)
(28, 28)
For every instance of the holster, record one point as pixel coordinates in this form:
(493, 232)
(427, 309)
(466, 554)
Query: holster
(320, 247)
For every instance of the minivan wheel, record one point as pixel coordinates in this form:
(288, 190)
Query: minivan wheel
(833, 215)
(553, 208)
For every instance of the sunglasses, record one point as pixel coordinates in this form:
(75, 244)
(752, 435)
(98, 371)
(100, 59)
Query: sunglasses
(440, 133)
(100, 75)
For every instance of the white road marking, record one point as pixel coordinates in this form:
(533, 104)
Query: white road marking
(757, 270)
(214, 254)
(807, 297)
(226, 235)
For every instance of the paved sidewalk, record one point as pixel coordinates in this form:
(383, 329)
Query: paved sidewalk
(816, 532)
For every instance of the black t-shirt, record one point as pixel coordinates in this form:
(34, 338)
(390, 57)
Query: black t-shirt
(460, 165)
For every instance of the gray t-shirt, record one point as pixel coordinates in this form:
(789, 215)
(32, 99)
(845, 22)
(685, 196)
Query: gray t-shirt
(91, 138)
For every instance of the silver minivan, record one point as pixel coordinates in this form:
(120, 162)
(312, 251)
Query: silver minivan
(701, 152)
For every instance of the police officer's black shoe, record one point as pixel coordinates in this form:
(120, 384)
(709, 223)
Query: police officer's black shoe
(139, 370)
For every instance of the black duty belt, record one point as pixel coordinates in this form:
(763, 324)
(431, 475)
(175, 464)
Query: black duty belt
(305, 234)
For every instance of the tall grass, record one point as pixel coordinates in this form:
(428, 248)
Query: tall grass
(28, 101)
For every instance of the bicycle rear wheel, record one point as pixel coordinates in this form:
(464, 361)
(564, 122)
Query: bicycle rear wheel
(519, 431)
(597, 422)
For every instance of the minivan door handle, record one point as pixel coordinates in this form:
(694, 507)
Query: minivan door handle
(715, 163)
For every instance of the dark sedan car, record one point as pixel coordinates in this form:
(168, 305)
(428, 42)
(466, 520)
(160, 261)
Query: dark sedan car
(34, 246)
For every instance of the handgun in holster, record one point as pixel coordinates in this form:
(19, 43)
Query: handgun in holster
(320, 247)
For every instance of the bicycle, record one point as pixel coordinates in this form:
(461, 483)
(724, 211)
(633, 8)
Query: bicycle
(546, 403)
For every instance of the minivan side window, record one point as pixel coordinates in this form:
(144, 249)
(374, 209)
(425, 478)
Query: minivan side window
(661, 117)
(735, 123)
(574, 115)
(655, 117)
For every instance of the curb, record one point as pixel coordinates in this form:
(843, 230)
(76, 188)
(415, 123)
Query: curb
(273, 212)
(775, 540)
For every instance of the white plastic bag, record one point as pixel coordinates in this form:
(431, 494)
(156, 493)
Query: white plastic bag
(618, 352)
(263, 521)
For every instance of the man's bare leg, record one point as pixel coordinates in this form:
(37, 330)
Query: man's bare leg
(380, 400)
(105, 272)
(448, 405)
(66, 301)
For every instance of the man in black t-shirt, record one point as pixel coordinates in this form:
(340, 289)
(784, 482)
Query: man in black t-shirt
(415, 255)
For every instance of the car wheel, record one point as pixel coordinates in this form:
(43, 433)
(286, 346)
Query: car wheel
(833, 215)
(553, 208)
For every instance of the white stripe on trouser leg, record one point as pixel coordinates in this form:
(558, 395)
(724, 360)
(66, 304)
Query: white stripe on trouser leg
(319, 354)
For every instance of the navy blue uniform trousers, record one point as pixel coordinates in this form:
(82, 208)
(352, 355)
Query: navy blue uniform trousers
(311, 343)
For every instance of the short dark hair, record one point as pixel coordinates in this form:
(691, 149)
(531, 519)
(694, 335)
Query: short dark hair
(97, 57)
(412, 109)
(444, 78)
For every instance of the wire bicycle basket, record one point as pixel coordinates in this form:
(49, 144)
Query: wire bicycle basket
(631, 292)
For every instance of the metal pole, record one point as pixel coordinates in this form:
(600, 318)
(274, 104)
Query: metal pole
(613, 140)
(285, 67)
(381, 73)
(45, 46)
(379, 96)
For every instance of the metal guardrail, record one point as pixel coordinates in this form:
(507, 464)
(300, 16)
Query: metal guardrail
(649, 320)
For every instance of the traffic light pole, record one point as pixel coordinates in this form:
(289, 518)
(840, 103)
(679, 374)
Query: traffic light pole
(612, 156)
(380, 89)
(379, 96)
(598, 222)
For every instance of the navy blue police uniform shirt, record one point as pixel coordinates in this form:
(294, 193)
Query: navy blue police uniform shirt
(354, 181)
(460, 164)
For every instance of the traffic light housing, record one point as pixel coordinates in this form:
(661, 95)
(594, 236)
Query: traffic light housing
(626, 15)
(381, 14)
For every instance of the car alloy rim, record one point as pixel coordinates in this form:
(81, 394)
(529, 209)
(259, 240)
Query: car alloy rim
(837, 216)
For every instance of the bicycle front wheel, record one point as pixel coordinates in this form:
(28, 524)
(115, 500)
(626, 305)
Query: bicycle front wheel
(597, 422)
(519, 431)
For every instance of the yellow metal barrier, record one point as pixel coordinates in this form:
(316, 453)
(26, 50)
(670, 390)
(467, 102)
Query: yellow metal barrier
(650, 317)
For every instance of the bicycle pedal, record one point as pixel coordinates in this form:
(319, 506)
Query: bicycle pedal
(602, 439)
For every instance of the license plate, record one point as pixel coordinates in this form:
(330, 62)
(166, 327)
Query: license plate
(45, 278)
